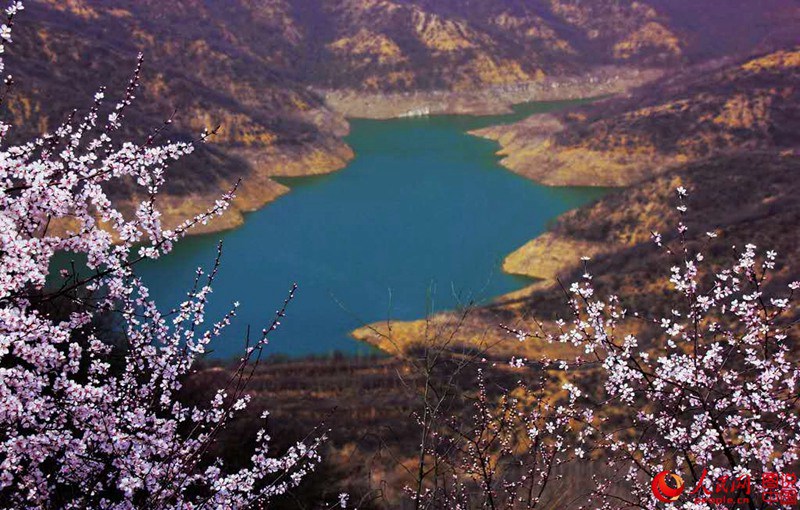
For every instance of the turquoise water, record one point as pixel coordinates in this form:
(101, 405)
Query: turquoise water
(420, 220)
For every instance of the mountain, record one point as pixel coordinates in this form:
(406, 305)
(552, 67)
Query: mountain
(270, 125)
(390, 45)
(263, 69)
(748, 104)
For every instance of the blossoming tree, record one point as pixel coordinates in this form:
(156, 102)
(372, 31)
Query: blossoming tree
(713, 394)
(78, 427)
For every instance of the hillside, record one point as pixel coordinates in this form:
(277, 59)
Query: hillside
(63, 52)
(263, 70)
(451, 44)
(746, 105)
(381, 59)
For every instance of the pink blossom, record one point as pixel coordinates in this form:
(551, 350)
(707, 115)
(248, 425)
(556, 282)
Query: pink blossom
(69, 419)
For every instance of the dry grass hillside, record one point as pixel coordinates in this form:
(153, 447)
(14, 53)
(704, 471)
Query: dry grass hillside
(447, 44)
(253, 68)
(63, 52)
(746, 105)
(368, 408)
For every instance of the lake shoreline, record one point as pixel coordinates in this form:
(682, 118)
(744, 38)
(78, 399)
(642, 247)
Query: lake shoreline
(251, 201)
(423, 215)
(494, 100)
(260, 189)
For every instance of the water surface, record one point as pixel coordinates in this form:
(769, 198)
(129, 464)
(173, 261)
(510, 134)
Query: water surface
(421, 219)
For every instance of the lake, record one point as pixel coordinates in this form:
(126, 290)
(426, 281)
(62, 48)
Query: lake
(419, 221)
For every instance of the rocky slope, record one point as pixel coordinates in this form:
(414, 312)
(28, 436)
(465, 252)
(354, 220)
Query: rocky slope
(749, 104)
(453, 45)
(263, 70)
(269, 125)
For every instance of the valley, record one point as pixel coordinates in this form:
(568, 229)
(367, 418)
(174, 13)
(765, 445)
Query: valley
(728, 135)
(276, 79)
(419, 220)
(434, 175)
